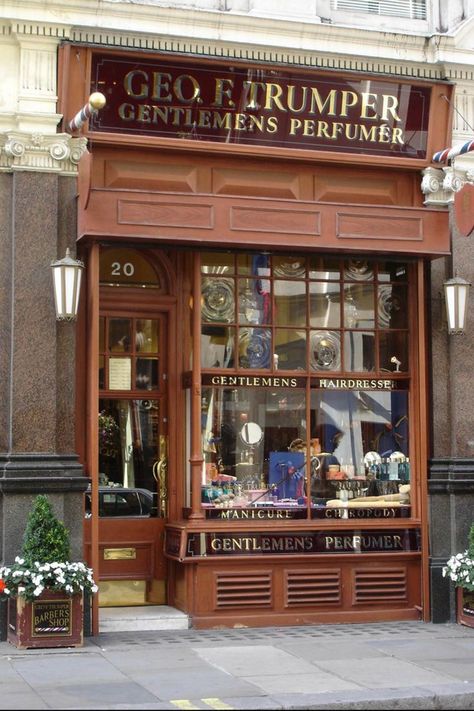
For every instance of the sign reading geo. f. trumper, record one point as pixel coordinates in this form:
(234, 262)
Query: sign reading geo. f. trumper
(265, 107)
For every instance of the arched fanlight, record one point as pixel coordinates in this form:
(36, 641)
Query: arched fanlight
(67, 273)
(456, 291)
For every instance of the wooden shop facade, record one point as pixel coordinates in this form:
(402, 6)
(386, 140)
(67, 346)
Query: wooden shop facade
(253, 395)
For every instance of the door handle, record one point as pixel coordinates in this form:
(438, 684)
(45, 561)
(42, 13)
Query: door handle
(160, 472)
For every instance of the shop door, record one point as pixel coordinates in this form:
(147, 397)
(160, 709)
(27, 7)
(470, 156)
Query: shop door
(133, 450)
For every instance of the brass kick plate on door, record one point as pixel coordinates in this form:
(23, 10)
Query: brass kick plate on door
(120, 553)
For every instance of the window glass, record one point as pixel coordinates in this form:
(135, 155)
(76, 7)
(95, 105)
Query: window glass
(325, 350)
(120, 334)
(276, 326)
(146, 336)
(324, 305)
(392, 306)
(147, 374)
(217, 263)
(255, 348)
(290, 302)
(127, 453)
(217, 300)
(247, 436)
(394, 351)
(290, 349)
(392, 271)
(324, 268)
(364, 458)
(289, 266)
(359, 306)
(217, 347)
(359, 351)
(127, 267)
(254, 304)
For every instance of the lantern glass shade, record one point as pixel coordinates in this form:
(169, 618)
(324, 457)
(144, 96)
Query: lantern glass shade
(67, 274)
(456, 291)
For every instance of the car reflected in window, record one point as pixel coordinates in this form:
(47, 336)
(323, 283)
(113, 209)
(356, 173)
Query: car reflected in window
(123, 503)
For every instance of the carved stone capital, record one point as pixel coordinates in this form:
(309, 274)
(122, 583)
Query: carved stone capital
(433, 187)
(453, 181)
(56, 153)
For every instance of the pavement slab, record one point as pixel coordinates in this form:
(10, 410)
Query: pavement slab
(408, 665)
(383, 672)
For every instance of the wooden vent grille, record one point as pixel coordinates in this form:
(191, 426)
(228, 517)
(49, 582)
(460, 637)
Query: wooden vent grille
(243, 590)
(313, 587)
(380, 585)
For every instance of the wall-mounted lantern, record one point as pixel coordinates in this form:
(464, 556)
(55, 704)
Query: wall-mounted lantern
(67, 273)
(456, 291)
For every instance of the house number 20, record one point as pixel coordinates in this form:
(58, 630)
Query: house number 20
(126, 269)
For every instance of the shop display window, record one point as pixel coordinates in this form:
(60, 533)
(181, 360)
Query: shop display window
(305, 385)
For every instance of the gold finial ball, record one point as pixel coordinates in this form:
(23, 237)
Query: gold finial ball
(97, 100)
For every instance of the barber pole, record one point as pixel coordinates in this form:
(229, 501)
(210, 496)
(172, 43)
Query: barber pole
(96, 101)
(448, 154)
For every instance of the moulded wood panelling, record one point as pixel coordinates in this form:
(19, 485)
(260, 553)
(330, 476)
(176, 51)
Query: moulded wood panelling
(223, 219)
(345, 590)
(378, 227)
(275, 220)
(139, 567)
(259, 183)
(165, 214)
(358, 186)
(156, 176)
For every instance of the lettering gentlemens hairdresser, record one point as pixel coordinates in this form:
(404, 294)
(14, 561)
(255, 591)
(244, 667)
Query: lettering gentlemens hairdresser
(261, 106)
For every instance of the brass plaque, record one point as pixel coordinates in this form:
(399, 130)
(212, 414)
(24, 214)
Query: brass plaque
(120, 553)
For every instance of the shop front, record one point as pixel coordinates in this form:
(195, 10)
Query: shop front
(254, 337)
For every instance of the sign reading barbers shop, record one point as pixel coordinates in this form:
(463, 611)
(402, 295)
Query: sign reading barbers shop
(267, 107)
(51, 617)
(302, 543)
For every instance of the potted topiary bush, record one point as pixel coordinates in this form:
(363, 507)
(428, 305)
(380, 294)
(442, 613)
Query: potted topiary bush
(460, 570)
(43, 587)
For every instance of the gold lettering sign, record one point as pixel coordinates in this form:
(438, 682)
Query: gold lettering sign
(120, 553)
(51, 618)
(355, 383)
(276, 107)
(302, 543)
(253, 381)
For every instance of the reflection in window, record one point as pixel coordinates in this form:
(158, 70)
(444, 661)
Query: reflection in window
(309, 318)
(255, 449)
(364, 440)
(128, 432)
(347, 310)
(246, 439)
(217, 347)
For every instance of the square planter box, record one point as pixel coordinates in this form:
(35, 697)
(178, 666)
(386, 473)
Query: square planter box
(55, 619)
(465, 607)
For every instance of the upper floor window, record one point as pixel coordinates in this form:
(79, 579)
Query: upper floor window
(414, 9)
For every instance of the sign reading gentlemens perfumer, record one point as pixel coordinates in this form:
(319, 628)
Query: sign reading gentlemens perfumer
(307, 542)
(242, 104)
